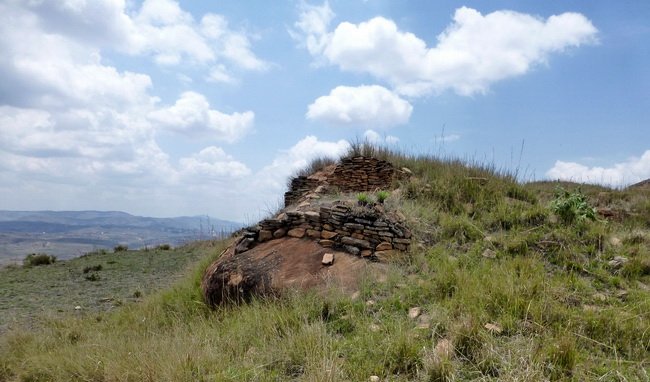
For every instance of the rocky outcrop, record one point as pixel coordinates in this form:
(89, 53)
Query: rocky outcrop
(298, 246)
(362, 231)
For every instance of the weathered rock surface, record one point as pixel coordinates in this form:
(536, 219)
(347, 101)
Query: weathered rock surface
(274, 266)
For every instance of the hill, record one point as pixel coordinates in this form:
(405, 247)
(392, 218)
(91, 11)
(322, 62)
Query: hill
(68, 234)
(501, 282)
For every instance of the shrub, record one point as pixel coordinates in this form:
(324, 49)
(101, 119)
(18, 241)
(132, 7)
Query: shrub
(572, 207)
(93, 268)
(36, 259)
(93, 277)
(382, 196)
(121, 248)
(164, 247)
(363, 199)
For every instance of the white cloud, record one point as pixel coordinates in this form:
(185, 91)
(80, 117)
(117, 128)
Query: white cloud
(631, 171)
(287, 162)
(364, 105)
(212, 162)
(374, 137)
(472, 53)
(192, 115)
(312, 26)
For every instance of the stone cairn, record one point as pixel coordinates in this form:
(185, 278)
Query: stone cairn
(362, 231)
(357, 174)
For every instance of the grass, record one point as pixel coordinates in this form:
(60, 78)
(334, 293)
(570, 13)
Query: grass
(563, 311)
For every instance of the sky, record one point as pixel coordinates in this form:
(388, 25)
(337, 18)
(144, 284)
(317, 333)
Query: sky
(169, 108)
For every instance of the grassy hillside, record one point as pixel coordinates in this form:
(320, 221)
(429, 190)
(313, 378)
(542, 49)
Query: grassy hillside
(498, 285)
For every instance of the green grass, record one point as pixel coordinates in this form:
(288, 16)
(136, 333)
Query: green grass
(563, 312)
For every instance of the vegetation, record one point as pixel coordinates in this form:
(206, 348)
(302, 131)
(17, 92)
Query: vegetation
(120, 248)
(509, 287)
(363, 199)
(36, 259)
(382, 196)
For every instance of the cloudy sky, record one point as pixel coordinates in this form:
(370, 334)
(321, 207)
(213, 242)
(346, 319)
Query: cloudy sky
(167, 108)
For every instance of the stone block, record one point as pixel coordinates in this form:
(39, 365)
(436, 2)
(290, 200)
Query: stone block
(297, 232)
(328, 234)
(313, 233)
(352, 250)
(347, 240)
(328, 259)
(264, 235)
(280, 232)
(384, 246)
(326, 243)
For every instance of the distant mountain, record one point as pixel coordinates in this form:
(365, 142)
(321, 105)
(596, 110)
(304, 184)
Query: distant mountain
(72, 233)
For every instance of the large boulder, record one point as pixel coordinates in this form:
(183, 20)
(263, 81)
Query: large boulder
(274, 266)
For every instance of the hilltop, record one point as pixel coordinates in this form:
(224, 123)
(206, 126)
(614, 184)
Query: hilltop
(499, 281)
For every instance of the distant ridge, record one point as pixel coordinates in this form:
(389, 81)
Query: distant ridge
(69, 234)
(643, 183)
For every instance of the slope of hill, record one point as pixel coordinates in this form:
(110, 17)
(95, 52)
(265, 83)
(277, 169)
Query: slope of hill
(502, 282)
(68, 234)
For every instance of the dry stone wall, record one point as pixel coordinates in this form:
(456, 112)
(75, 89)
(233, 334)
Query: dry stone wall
(361, 231)
(358, 174)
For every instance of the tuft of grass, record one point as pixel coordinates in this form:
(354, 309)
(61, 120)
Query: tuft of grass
(120, 248)
(36, 259)
(382, 196)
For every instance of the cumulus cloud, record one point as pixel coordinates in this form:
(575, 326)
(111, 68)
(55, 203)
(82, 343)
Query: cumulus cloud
(631, 171)
(374, 137)
(472, 53)
(311, 29)
(160, 28)
(192, 115)
(298, 156)
(212, 162)
(72, 122)
(363, 105)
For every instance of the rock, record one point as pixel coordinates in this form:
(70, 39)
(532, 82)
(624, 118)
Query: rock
(347, 240)
(313, 233)
(374, 378)
(414, 312)
(312, 215)
(328, 259)
(328, 234)
(424, 321)
(78, 307)
(355, 295)
(618, 262)
(366, 253)
(244, 245)
(489, 254)
(443, 348)
(374, 327)
(384, 246)
(407, 171)
(297, 232)
(280, 232)
(370, 302)
(303, 204)
(615, 241)
(264, 235)
(326, 243)
(493, 328)
(352, 250)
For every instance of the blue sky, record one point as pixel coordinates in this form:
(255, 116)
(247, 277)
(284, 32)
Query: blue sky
(167, 108)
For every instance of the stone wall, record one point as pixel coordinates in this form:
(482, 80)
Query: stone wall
(362, 231)
(300, 186)
(358, 174)
(361, 174)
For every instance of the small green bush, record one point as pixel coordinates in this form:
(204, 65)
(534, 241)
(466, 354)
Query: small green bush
(36, 259)
(382, 196)
(363, 199)
(92, 268)
(93, 277)
(120, 248)
(164, 247)
(572, 207)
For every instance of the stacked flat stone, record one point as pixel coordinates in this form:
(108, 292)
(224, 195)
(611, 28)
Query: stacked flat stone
(360, 231)
(361, 174)
(358, 174)
(300, 186)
